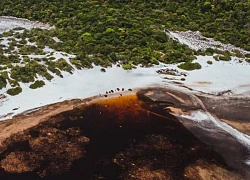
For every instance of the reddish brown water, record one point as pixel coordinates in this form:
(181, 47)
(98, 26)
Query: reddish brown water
(125, 134)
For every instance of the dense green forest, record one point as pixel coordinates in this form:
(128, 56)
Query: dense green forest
(131, 32)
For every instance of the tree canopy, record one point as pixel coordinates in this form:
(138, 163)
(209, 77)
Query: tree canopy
(130, 32)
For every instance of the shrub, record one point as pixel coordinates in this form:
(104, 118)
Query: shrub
(28, 49)
(189, 66)
(26, 58)
(216, 57)
(53, 69)
(47, 75)
(225, 58)
(127, 66)
(210, 50)
(210, 62)
(37, 84)
(64, 66)
(14, 91)
(103, 70)
(76, 63)
(109, 30)
(22, 74)
(3, 82)
(238, 54)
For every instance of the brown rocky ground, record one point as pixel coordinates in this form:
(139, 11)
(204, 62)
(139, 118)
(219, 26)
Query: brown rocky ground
(206, 171)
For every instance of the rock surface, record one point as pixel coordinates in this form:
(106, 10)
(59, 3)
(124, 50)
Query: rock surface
(130, 137)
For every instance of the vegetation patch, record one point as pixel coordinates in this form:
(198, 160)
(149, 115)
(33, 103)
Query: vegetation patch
(238, 54)
(210, 62)
(28, 49)
(14, 91)
(103, 70)
(12, 82)
(29, 72)
(216, 57)
(37, 84)
(189, 66)
(128, 66)
(224, 58)
(64, 66)
(3, 82)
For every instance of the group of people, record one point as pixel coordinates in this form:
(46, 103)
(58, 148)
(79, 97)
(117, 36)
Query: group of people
(113, 91)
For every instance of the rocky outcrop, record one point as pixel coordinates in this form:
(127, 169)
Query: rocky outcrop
(128, 137)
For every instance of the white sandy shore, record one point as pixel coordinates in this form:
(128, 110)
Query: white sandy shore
(7, 23)
(81, 84)
(198, 42)
(221, 75)
(218, 77)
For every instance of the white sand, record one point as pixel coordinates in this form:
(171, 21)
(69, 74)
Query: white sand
(221, 75)
(196, 41)
(8, 23)
(82, 84)
(218, 77)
